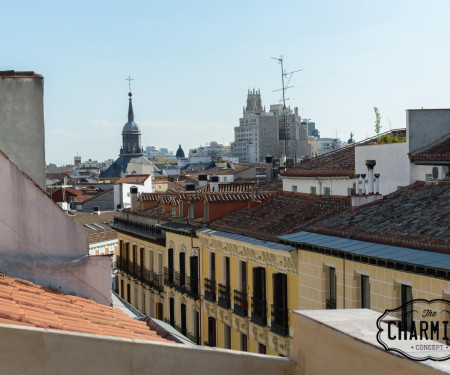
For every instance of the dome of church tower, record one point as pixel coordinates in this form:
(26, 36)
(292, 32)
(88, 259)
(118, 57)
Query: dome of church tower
(180, 153)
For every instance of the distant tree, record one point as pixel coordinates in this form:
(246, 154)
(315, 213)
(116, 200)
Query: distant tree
(377, 120)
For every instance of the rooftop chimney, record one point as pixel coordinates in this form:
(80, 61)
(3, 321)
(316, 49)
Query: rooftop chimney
(133, 194)
(370, 164)
(269, 168)
(214, 183)
(202, 180)
(97, 210)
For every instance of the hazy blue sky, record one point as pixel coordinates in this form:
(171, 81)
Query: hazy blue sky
(193, 62)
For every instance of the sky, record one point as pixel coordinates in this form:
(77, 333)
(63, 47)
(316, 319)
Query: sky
(193, 61)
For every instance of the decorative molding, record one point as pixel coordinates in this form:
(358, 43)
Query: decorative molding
(280, 260)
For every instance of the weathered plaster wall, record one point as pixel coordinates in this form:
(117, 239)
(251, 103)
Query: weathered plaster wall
(424, 126)
(22, 124)
(392, 164)
(40, 243)
(39, 351)
(319, 348)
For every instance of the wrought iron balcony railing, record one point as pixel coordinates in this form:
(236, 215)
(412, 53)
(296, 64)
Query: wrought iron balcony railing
(240, 303)
(210, 290)
(259, 311)
(330, 304)
(168, 276)
(224, 299)
(279, 323)
(180, 282)
(192, 287)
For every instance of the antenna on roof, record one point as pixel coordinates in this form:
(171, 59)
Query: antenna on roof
(284, 87)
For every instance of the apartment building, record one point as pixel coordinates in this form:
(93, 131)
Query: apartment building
(275, 133)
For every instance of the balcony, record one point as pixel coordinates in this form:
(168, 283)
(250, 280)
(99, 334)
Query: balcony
(180, 282)
(157, 282)
(192, 287)
(195, 340)
(240, 303)
(224, 296)
(279, 322)
(210, 290)
(131, 269)
(168, 277)
(133, 227)
(330, 304)
(259, 311)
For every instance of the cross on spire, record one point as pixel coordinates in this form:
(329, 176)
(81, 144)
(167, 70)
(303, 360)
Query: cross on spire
(129, 79)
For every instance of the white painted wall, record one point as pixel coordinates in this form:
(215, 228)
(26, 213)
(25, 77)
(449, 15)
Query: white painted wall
(40, 243)
(338, 187)
(122, 192)
(103, 247)
(393, 164)
(419, 172)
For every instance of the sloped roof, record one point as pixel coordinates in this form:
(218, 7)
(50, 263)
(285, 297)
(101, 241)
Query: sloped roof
(25, 303)
(339, 162)
(280, 214)
(134, 179)
(233, 197)
(437, 151)
(416, 216)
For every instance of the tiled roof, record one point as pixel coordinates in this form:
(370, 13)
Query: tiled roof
(235, 187)
(14, 74)
(223, 171)
(416, 216)
(168, 199)
(437, 151)
(194, 196)
(90, 219)
(233, 197)
(102, 236)
(340, 162)
(84, 197)
(281, 214)
(336, 163)
(24, 303)
(134, 179)
(153, 197)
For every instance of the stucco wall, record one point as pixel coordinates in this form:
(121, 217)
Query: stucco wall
(104, 201)
(320, 349)
(338, 186)
(39, 351)
(22, 124)
(424, 126)
(392, 164)
(39, 242)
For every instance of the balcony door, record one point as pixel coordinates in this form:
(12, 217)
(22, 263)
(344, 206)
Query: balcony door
(170, 265)
(193, 265)
(183, 319)
(182, 259)
(211, 331)
(259, 283)
(280, 304)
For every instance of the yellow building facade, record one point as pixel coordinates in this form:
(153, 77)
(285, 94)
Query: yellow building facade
(249, 290)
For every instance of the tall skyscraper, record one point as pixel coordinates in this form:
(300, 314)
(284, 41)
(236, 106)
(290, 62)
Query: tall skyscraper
(274, 133)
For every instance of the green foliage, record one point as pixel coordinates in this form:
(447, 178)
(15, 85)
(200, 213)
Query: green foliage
(377, 120)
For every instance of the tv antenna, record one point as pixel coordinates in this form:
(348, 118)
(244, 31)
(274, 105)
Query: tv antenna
(284, 87)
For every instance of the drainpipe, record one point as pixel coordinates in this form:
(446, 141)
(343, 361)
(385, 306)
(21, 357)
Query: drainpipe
(363, 175)
(199, 286)
(377, 186)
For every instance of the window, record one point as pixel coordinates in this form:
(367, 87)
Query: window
(262, 349)
(313, 191)
(327, 192)
(244, 345)
(365, 292)
(172, 311)
(183, 319)
(331, 301)
(226, 336)
(294, 189)
(211, 331)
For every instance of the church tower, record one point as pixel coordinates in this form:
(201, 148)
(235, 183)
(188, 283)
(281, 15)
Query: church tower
(131, 135)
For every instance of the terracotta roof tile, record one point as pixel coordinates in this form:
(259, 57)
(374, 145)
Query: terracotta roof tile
(24, 303)
(134, 179)
(415, 216)
(279, 215)
(437, 151)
